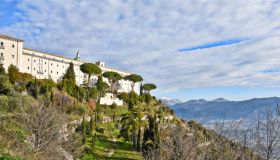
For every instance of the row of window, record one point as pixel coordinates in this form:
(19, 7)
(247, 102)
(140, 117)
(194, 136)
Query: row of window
(45, 62)
(2, 44)
(2, 54)
(45, 70)
(51, 72)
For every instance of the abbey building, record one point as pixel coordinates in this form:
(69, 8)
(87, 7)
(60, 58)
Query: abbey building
(44, 65)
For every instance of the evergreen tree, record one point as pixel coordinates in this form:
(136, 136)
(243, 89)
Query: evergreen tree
(36, 90)
(83, 129)
(101, 86)
(149, 86)
(97, 111)
(151, 141)
(91, 123)
(139, 139)
(134, 78)
(70, 73)
(141, 89)
(90, 69)
(113, 77)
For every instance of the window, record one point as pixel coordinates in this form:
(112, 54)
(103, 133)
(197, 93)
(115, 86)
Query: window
(45, 70)
(2, 54)
(51, 64)
(13, 46)
(57, 65)
(57, 72)
(2, 43)
(28, 68)
(13, 56)
(45, 62)
(51, 71)
(28, 59)
(34, 69)
(34, 60)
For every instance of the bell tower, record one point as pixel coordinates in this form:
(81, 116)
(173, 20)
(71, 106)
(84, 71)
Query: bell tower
(77, 56)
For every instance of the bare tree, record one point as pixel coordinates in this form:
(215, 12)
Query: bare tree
(257, 139)
(267, 139)
(179, 145)
(45, 123)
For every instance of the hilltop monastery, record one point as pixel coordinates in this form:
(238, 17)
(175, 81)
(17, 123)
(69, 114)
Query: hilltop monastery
(44, 65)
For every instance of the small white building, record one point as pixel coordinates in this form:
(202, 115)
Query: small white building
(109, 99)
(44, 65)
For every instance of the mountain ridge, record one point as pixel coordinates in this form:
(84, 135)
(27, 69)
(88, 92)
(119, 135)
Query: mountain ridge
(221, 109)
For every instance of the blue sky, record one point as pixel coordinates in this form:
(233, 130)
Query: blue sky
(213, 44)
(191, 49)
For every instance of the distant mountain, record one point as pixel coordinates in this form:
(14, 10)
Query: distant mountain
(170, 102)
(220, 100)
(222, 109)
(197, 102)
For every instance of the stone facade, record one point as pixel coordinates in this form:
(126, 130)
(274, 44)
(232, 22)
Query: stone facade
(44, 65)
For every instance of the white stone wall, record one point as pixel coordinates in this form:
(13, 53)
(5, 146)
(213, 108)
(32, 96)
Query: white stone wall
(44, 66)
(109, 99)
(11, 51)
(125, 86)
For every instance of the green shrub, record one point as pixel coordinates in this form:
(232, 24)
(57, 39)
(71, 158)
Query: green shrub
(114, 106)
(5, 85)
(32, 89)
(20, 88)
(124, 96)
(93, 93)
(88, 150)
(24, 77)
(14, 102)
(4, 103)
(80, 109)
(45, 85)
(148, 98)
(13, 74)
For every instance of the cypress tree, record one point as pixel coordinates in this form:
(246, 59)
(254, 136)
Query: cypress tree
(83, 130)
(139, 138)
(70, 73)
(91, 123)
(36, 90)
(141, 89)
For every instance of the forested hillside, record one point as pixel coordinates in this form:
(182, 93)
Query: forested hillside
(40, 119)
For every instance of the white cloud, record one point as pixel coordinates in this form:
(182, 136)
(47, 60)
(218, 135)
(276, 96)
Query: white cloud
(143, 36)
